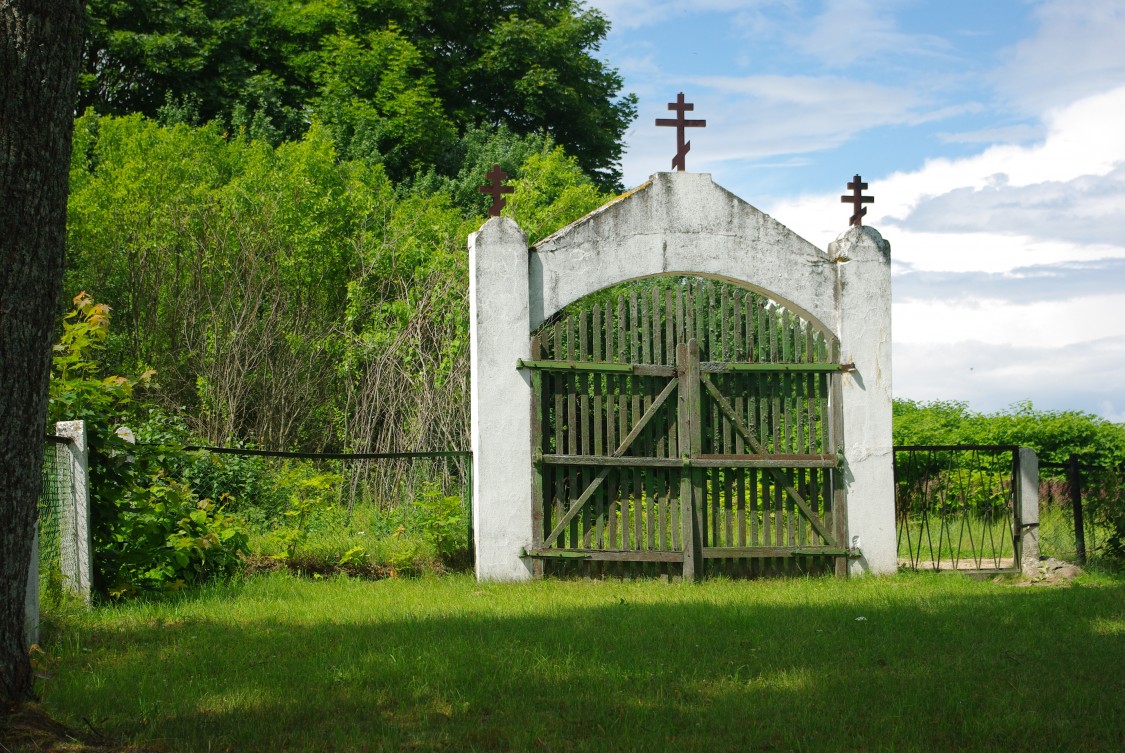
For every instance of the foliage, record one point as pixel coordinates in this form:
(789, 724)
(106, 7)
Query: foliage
(77, 392)
(1054, 435)
(308, 496)
(162, 536)
(397, 82)
(441, 520)
(550, 193)
(289, 298)
(149, 532)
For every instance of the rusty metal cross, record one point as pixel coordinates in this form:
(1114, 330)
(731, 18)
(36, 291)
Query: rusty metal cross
(680, 123)
(857, 199)
(496, 188)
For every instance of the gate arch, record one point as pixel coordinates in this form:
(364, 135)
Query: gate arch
(678, 225)
(684, 425)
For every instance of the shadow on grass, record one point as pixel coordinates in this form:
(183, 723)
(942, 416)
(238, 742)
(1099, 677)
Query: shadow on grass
(717, 668)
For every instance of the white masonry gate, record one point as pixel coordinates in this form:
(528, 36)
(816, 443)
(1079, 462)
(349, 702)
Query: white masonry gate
(834, 493)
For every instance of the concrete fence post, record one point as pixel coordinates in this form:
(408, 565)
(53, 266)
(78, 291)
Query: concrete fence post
(75, 543)
(1027, 511)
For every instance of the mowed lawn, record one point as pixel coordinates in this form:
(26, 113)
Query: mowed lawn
(909, 663)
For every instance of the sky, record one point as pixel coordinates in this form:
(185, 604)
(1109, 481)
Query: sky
(991, 134)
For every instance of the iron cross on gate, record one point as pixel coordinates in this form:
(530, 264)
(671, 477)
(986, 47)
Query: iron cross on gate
(857, 199)
(680, 123)
(496, 188)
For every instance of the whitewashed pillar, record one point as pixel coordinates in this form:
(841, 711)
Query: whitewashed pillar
(500, 396)
(76, 545)
(1027, 515)
(863, 306)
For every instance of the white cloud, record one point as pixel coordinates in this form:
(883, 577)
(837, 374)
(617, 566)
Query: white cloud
(847, 31)
(1023, 285)
(632, 14)
(1010, 265)
(1082, 376)
(1083, 150)
(1043, 324)
(1005, 134)
(765, 116)
(1079, 50)
(1087, 209)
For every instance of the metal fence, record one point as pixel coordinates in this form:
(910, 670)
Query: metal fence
(956, 507)
(1081, 505)
(342, 499)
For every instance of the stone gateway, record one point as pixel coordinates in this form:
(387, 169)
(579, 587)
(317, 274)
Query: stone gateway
(679, 384)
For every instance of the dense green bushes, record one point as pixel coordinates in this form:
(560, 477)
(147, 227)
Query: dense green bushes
(287, 297)
(1054, 435)
(150, 532)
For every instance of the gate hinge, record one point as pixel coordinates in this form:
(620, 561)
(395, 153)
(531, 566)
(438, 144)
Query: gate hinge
(854, 552)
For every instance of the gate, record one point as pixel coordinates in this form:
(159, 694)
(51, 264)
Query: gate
(690, 424)
(957, 508)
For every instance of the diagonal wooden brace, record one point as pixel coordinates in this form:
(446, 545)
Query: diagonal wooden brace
(740, 427)
(621, 450)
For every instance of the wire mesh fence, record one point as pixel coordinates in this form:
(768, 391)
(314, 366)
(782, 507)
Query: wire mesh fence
(57, 550)
(955, 507)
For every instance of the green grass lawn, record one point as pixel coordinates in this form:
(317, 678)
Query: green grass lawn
(910, 663)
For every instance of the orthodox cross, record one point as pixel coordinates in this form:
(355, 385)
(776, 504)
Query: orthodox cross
(857, 199)
(679, 123)
(496, 188)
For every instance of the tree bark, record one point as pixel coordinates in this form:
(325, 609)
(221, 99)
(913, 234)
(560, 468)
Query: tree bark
(40, 42)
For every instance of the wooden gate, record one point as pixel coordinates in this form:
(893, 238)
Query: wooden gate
(689, 424)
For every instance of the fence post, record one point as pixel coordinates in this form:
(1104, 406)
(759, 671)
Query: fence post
(76, 546)
(31, 600)
(1027, 511)
(1075, 473)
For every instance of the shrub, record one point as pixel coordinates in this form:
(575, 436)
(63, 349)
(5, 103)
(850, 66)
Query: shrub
(149, 532)
(163, 537)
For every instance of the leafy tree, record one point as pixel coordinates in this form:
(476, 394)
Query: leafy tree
(551, 192)
(287, 296)
(39, 49)
(396, 80)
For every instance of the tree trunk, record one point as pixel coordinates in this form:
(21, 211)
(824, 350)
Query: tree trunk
(40, 42)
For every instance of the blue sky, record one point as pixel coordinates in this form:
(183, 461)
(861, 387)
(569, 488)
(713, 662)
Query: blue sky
(992, 134)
